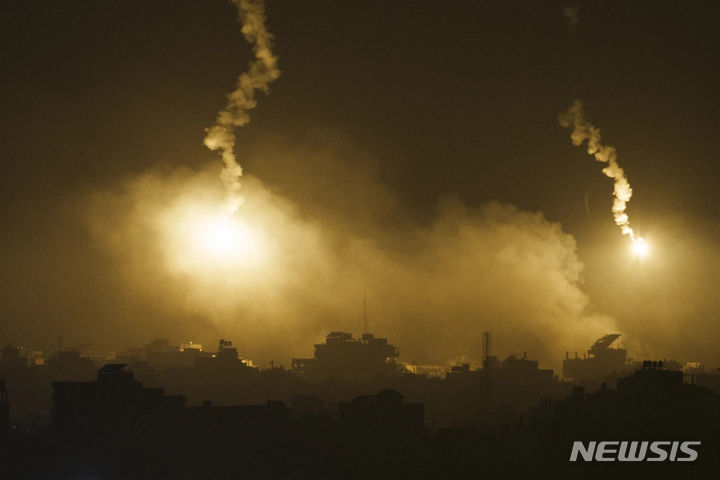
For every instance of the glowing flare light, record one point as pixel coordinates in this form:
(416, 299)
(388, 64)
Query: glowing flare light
(640, 247)
(210, 242)
(224, 237)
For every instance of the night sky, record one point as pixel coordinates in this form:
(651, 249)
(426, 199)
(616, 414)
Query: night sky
(409, 149)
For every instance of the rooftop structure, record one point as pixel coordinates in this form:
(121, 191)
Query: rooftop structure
(652, 378)
(515, 380)
(114, 398)
(226, 358)
(599, 361)
(345, 357)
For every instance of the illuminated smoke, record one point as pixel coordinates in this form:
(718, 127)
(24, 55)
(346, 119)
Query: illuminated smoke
(583, 130)
(263, 70)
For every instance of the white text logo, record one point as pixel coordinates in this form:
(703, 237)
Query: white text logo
(635, 451)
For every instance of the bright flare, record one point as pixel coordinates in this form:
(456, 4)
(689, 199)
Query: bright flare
(207, 242)
(222, 236)
(640, 247)
(225, 238)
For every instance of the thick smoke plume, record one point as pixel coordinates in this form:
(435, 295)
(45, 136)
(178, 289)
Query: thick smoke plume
(263, 71)
(583, 130)
(431, 288)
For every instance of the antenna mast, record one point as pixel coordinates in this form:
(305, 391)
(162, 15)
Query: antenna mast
(365, 318)
(486, 380)
(486, 350)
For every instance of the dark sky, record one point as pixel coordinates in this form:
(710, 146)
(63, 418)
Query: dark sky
(433, 99)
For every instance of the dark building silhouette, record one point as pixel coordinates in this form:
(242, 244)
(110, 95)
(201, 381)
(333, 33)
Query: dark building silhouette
(4, 410)
(343, 356)
(116, 397)
(653, 402)
(116, 428)
(304, 405)
(382, 413)
(707, 379)
(515, 375)
(253, 422)
(12, 359)
(651, 379)
(474, 397)
(600, 361)
(70, 365)
(160, 354)
(30, 386)
(226, 358)
(521, 378)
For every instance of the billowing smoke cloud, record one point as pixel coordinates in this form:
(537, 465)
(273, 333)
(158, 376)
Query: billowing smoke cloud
(263, 71)
(431, 289)
(292, 277)
(582, 131)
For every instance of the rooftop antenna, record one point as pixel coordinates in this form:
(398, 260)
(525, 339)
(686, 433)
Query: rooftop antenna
(486, 380)
(365, 319)
(486, 349)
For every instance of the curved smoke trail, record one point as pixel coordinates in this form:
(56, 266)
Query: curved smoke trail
(263, 71)
(583, 130)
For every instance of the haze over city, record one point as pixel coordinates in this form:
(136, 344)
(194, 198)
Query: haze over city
(408, 155)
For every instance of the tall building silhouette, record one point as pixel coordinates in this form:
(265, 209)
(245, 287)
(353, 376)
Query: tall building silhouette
(4, 410)
(114, 399)
(345, 357)
(599, 361)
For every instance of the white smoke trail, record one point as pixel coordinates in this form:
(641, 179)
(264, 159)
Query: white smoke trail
(583, 130)
(263, 71)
